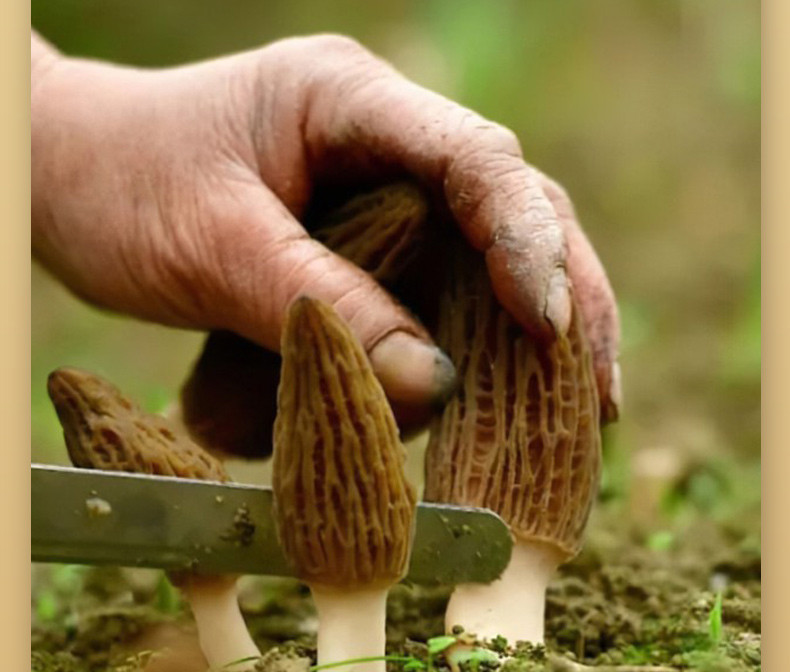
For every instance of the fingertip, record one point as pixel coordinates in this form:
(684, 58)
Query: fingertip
(558, 306)
(412, 372)
(541, 307)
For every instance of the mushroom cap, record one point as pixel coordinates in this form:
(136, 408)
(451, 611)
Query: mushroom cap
(105, 430)
(344, 509)
(521, 436)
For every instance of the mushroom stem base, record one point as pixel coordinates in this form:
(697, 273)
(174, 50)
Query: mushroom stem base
(514, 605)
(351, 624)
(222, 631)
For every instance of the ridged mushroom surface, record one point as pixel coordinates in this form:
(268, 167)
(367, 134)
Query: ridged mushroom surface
(521, 436)
(344, 508)
(105, 430)
(379, 231)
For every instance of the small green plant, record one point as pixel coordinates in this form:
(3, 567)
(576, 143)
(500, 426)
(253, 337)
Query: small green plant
(438, 644)
(46, 605)
(715, 630)
(168, 600)
(474, 658)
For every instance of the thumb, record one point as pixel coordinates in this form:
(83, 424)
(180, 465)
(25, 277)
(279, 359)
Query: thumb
(270, 261)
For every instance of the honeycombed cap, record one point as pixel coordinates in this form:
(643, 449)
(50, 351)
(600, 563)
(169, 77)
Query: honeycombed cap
(521, 436)
(345, 511)
(105, 430)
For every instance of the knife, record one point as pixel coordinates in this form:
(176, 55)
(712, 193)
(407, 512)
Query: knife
(85, 516)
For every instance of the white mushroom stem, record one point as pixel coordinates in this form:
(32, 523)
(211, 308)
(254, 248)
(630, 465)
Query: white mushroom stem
(351, 624)
(222, 632)
(514, 605)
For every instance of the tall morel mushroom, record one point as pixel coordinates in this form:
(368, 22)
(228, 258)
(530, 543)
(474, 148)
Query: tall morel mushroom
(520, 437)
(105, 430)
(345, 511)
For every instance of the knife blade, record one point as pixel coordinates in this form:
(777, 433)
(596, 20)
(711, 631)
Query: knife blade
(82, 516)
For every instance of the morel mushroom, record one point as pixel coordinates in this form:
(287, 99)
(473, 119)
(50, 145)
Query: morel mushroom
(105, 430)
(521, 437)
(344, 509)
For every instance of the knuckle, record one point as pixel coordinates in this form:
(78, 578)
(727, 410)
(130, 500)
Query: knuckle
(480, 138)
(504, 141)
(491, 152)
(493, 138)
(504, 170)
(319, 53)
(338, 45)
(555, 190)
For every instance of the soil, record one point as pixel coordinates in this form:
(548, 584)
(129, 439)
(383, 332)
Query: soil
(628, 601)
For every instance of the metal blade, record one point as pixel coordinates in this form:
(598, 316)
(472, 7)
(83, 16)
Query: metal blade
(109, 518)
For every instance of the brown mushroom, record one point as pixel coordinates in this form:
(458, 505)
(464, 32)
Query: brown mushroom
(520, 437)
(344, 509)
(105, 430)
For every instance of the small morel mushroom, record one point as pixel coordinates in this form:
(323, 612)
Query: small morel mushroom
(520, 437)
(344, 509)
(105, 430)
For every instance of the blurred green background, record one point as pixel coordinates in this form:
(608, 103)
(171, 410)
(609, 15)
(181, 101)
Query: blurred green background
(647, 111)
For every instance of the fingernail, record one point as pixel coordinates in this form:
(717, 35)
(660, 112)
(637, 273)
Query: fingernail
(411, 371)
(558, 302)
(615, 401)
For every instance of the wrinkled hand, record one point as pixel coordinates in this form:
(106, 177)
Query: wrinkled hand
(175, 195)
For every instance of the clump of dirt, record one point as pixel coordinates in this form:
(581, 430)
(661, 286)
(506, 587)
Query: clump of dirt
(242, 529)
(288, 658)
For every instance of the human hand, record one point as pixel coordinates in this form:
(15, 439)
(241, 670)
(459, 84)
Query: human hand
(175, 195)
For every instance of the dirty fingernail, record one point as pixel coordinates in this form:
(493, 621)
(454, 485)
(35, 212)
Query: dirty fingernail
(558, 302)
(412, 371)
(614, 402)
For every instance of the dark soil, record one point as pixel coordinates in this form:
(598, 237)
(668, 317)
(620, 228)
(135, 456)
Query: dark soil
(625, 601)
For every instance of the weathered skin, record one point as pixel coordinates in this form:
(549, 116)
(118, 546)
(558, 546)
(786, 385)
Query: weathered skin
(105, 430)
(177, 194)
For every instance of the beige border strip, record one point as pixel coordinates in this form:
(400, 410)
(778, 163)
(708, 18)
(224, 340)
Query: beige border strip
(15, 335)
